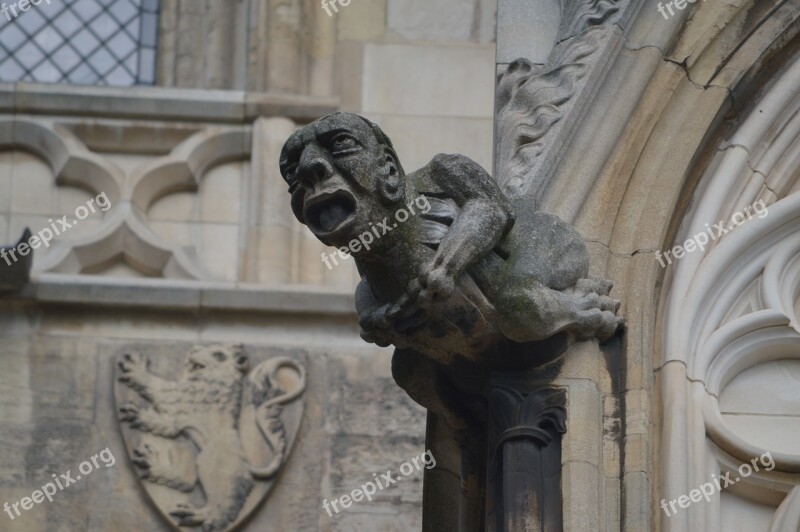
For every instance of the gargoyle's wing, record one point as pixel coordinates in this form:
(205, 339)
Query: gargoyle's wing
(268, 397)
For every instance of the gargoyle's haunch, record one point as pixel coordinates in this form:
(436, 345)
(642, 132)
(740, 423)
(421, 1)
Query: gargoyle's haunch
(205, 405)
(461, 280)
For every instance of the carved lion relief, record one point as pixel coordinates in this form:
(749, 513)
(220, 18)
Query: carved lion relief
(209, 444)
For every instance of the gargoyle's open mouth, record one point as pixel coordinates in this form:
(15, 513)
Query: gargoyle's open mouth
(326, 213)
(194, 366)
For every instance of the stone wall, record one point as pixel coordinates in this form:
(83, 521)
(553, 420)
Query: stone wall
(58, 409)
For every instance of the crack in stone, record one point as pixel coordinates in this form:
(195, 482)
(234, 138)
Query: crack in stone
(750, 165)
(618, 254)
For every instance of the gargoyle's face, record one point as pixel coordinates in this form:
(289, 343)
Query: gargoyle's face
(216, 361)
(340, 177)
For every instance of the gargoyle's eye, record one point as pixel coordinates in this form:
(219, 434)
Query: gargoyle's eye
(289, 171)
(290, 176)
(343, 142)
(219, 356)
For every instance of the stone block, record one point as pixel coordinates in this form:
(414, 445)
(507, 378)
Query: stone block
(418, 139)
(349, 74)
(217, 200)
(487, 26)
(526, 28)
(637, 405)
(33, 186)
(395, 71)
(60, 372)
(637, 453)
(6, 179)
(355, 460)
(362, 21)
(584, 438)
(395, 518)
(364, 399)
(580, 484)
(422, 20)
(219, 250)
(637, 500)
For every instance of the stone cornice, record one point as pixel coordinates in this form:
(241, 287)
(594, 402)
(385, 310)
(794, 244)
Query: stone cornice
(159, 103)
(189, 296)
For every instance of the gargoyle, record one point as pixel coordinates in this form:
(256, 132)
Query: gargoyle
(464, 280)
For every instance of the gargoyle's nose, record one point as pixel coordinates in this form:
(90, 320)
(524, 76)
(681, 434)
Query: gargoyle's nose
(314, 167)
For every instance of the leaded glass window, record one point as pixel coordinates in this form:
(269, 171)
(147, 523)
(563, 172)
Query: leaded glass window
(83, 42)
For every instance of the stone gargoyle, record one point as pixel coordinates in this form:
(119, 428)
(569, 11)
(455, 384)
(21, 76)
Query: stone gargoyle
(467, 278)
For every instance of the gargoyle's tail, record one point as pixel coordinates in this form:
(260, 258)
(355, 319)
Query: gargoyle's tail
(268, 398)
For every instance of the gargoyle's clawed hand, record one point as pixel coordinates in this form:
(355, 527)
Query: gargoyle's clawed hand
(597, 285)
(596, 315)
(374, 324)
(380, 324)
(596, 323)
(436, 284)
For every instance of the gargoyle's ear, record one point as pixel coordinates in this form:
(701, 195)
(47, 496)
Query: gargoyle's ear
(390, 182)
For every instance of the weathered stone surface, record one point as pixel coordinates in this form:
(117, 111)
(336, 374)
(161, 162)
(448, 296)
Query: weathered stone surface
(487, 27)
(355, 385)
(527, 29)
(445, 20)
(362, 21)
(396, 69)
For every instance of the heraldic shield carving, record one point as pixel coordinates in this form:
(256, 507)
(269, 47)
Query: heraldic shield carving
(208, 431)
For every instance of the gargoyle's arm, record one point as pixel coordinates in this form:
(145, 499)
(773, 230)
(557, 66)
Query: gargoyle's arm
(485, 214)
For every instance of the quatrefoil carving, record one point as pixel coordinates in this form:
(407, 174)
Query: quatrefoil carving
(125, 233)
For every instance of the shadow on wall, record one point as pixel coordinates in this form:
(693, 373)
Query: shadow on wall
(15, 274)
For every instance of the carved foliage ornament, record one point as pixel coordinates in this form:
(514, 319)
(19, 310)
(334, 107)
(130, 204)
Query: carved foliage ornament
(532, 99)
(209, 444)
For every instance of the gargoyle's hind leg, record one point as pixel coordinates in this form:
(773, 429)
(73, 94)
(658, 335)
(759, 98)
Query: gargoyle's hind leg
(533, 313)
